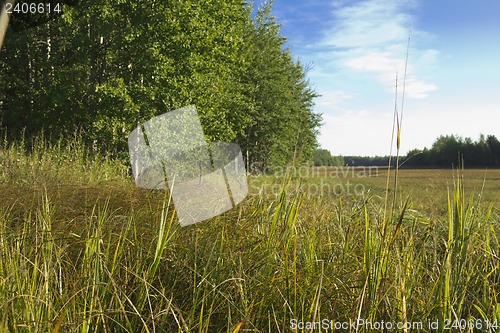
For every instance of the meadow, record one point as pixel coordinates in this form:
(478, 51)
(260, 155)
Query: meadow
(82, 249)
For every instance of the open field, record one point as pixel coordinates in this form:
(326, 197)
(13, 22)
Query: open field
(83, 250)
(427, 188)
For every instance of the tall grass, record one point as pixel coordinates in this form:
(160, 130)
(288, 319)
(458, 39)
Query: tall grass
(57, 162)
(83, 250)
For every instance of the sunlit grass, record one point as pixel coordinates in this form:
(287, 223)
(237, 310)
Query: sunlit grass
(83, 250)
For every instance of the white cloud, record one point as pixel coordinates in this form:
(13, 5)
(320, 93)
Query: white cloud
(356, 132)
(383, 65)
(375, 61)
(418, 89)
(371, 37)
(368, 23)
(333, 98)
(430, 56)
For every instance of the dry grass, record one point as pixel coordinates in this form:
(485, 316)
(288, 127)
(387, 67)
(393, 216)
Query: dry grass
(83, 250)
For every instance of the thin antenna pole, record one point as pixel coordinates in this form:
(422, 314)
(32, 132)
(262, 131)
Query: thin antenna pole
(392, 143)
(396, 123)
(400, 119)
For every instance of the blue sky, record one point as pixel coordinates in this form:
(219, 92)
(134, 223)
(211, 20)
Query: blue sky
(354, 49)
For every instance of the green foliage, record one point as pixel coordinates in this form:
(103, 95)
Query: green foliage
(323, 157)
(283, 127)
(448, 150)
(103, 66)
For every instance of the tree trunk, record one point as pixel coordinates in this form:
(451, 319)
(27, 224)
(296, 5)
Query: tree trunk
(4, 20)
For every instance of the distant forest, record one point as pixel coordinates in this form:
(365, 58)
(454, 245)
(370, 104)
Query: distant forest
(446, 151)
(99, 68)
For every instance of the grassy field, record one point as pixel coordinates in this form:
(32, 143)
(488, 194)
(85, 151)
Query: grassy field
(310, 250)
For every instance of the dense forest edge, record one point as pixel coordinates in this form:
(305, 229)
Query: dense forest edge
(97, 69)
(100, 68)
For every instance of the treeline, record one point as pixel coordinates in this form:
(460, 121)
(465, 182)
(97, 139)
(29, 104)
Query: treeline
(367, 161)
(103, 66)
(323, 157)
(446, 151)
(450, 150)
